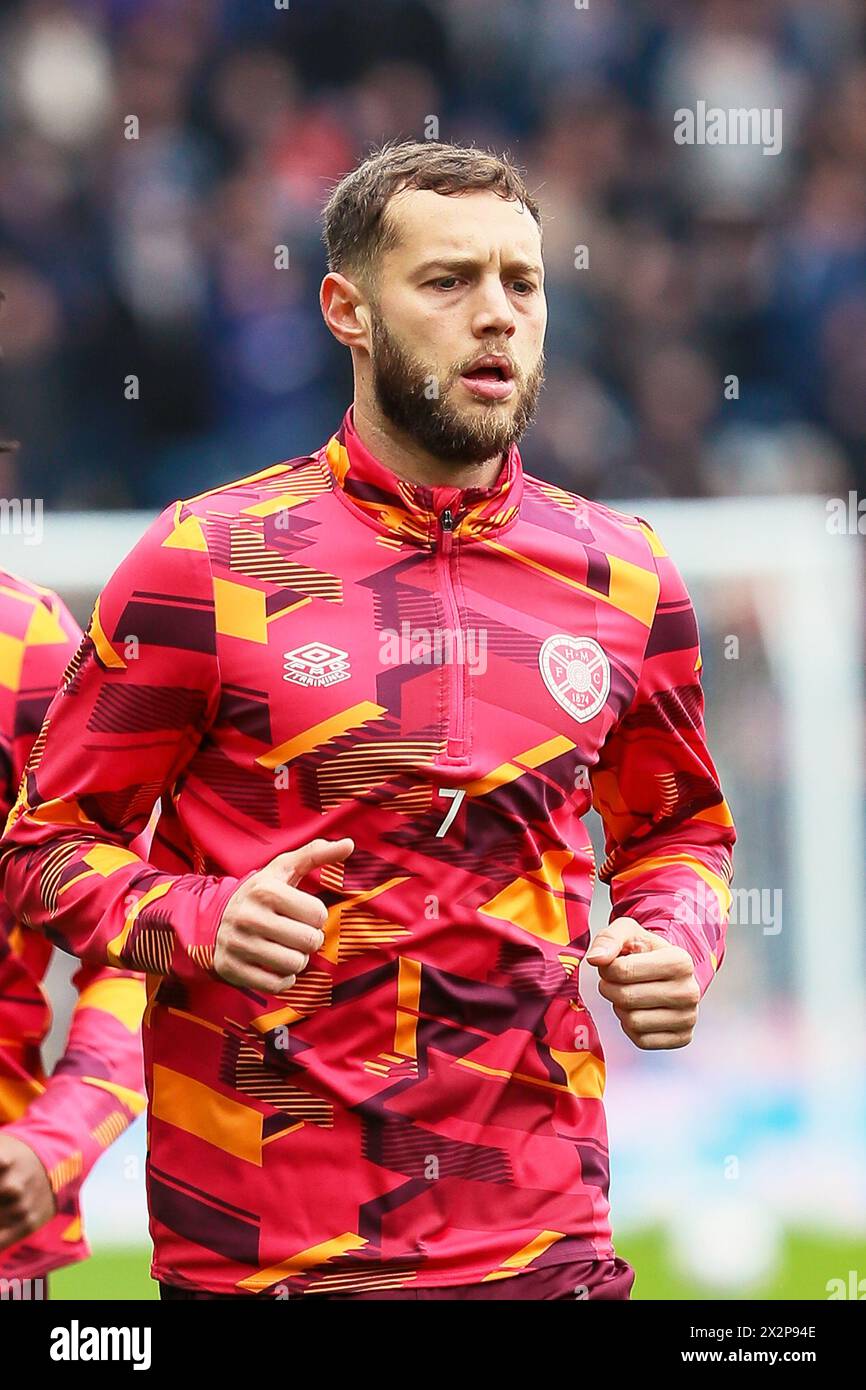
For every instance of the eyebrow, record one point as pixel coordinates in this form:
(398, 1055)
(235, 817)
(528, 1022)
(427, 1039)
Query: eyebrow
(468, 263)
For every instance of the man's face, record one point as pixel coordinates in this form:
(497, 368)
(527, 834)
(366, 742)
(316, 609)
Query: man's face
(465, 282)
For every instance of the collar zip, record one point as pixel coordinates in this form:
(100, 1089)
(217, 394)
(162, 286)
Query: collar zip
(417, 512)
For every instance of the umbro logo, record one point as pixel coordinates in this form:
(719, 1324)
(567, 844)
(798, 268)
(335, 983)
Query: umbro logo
(316, 664)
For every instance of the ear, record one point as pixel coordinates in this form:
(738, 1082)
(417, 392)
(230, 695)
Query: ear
(345, 310)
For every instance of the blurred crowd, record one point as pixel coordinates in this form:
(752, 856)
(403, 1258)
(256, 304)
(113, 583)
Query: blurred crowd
(710, 340)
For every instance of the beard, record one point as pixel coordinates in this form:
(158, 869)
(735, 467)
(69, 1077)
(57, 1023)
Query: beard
(407, 395)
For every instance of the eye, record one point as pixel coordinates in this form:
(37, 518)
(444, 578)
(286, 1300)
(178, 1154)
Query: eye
(528, 288)
(442, 282)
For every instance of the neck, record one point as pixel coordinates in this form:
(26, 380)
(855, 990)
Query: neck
(399, 452)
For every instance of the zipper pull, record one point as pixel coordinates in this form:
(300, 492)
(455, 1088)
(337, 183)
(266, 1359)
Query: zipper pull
(449, 523)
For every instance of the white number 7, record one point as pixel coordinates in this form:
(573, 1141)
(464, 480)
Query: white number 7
(457, 793)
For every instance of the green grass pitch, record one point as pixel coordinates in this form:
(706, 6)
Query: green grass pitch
(808, 1262)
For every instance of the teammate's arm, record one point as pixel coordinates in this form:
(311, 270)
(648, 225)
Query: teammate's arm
(94, 1093)
(97, 1087)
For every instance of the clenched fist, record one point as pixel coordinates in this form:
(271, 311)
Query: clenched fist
(26, 1198)
(269, 928)
(650, 984)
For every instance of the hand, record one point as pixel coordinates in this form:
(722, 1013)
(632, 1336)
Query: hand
(26, 1198)
(269, 928)
(650, 984)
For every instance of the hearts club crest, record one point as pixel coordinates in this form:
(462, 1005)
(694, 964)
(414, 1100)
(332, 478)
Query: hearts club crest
(577, 674)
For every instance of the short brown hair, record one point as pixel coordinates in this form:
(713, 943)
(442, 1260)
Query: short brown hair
(356, 231)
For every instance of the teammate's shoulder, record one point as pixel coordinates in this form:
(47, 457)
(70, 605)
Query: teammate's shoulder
(34, 615)
(18, 594)
(605, 525)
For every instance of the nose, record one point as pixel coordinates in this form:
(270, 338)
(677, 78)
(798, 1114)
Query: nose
(493, 313)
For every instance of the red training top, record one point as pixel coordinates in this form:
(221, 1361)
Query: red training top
(451, 677)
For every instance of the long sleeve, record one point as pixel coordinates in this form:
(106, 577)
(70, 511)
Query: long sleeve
(137, 698)
(97, 1086)
(668, 829)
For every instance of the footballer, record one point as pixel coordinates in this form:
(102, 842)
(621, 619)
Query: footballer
(371, 1073)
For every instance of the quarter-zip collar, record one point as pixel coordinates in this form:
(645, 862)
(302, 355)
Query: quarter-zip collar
(412, 511)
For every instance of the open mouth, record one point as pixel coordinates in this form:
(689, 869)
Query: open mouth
(486, 374)
(490, 377)
(490, 369)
